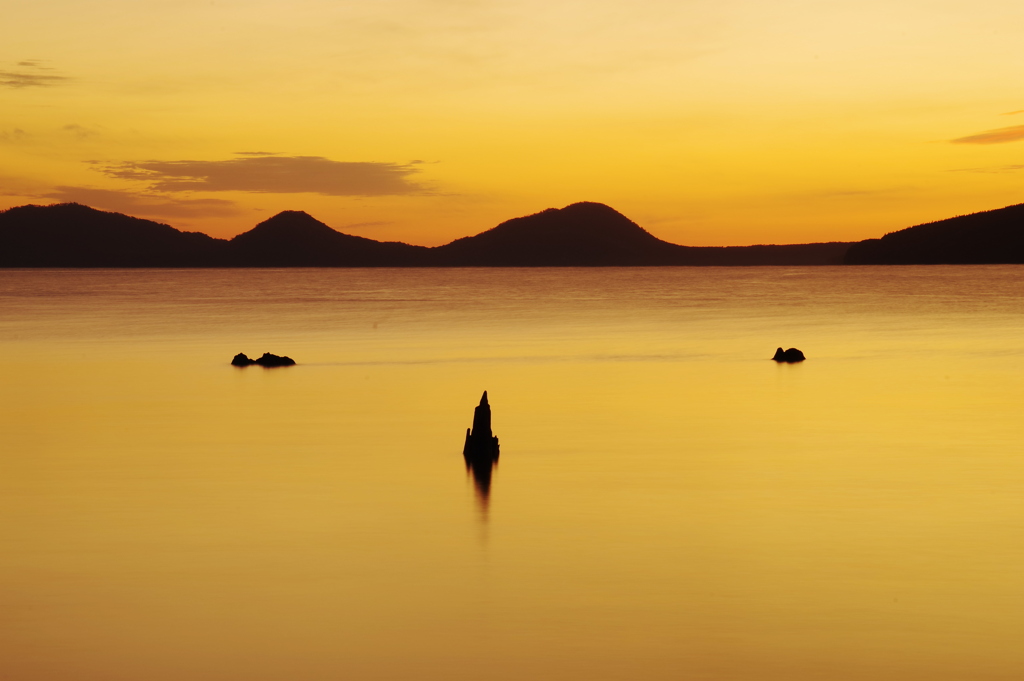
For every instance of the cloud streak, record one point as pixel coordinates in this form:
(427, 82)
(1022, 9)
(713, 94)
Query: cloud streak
(144, 204)
(28, 76)
(13, 136)
(79, 131)
(990, 169)
(272, 174)
(997, 136)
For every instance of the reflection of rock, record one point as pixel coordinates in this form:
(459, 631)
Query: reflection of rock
(481, 450)
(267, 360)
(791, 355)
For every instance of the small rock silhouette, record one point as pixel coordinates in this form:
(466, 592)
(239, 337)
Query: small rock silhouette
(791, 355)
(267, 360)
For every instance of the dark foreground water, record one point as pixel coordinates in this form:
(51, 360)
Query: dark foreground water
(669, 504)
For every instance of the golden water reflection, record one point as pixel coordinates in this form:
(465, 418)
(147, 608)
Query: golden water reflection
(672, 504)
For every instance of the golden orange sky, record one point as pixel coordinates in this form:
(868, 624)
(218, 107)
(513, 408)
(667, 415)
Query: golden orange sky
(708, 122)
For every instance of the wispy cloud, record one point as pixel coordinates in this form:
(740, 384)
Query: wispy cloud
(261, 172)
(79, 131)
(1012, 113)
(997, 136)
(883, 192)
(30, 73)
(144, 204)
(990, 169)
(362, 225)
(12, 136)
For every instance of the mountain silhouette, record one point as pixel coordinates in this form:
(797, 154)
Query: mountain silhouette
(297, 239)
(581, 235)
(990, 237)
(592, 234)
(73, 235)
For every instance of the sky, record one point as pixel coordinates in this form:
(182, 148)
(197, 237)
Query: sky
(723, 122)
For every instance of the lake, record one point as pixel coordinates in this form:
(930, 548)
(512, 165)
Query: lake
(669, 503)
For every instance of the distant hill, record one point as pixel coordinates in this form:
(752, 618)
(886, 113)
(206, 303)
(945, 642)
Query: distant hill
(296, 239)
(994, 236)
(72, 235)
(593, 234)
(582, 234)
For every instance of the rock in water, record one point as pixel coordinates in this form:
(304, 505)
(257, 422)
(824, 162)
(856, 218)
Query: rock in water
(791, 355)
(241, 360)
(480, 442)
(481, 451)
(269, 360)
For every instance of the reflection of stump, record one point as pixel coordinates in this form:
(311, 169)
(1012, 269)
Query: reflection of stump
(481, 470)
(481, 450)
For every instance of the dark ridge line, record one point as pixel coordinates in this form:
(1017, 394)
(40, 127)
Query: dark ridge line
(584, 234)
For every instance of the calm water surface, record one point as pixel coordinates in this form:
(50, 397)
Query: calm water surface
(669, 503)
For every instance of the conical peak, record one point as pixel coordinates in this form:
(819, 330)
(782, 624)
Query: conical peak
(483, 400)
(592, 207)
(292, 219)
(292, 214)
